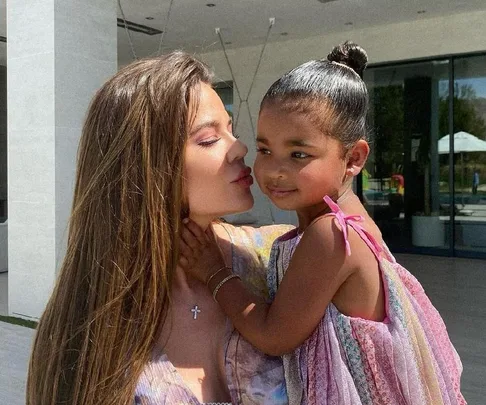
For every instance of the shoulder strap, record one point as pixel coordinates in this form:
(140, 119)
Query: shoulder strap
(353, 221)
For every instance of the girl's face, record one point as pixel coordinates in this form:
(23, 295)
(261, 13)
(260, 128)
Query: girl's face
(296, 165)
(216, 177)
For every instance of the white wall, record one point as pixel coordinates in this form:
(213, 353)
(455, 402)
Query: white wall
(59, 54)
(459, 33)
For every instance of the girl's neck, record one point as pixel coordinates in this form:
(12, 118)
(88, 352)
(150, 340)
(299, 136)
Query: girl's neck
(309, 214)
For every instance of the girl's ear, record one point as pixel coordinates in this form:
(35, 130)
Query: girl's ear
(357, 158)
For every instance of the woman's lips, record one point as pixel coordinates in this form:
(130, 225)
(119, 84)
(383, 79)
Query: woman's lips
(244, 178)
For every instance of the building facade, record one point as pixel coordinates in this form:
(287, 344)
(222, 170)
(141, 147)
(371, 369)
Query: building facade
(427, 80)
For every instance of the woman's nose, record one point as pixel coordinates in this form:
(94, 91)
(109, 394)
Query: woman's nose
(237, 150)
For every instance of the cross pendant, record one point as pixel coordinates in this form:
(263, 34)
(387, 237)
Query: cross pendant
(195, 311)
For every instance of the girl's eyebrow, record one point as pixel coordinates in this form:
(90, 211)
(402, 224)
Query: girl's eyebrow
(298, 142)
(290, 142)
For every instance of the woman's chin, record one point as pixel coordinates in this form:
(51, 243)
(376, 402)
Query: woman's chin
(207, 217)
(240, 207)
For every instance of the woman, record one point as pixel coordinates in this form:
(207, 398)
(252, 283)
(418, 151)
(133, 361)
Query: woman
(156, 146)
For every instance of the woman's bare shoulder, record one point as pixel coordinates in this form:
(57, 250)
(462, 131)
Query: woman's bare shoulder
(234, 233)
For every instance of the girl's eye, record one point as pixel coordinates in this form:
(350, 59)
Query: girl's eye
(300, 155)
(263, 151)
(205, 144)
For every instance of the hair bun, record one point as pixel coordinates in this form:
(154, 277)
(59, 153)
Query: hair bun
(351, 55)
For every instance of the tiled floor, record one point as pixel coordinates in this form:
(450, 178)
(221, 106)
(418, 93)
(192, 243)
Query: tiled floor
(457, 287)
(15, 343)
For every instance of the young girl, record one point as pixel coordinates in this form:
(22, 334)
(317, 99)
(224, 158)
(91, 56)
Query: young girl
(362, 328)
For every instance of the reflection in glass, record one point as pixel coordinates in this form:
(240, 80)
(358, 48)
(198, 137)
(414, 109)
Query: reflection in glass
(402, 186)
(470, 153)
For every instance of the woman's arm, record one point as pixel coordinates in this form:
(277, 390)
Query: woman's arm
(316, 271)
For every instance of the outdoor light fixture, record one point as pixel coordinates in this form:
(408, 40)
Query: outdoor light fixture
(138, 27)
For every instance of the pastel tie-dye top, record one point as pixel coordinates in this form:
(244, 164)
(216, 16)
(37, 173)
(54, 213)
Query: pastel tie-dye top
(406, 359)
(253, 377)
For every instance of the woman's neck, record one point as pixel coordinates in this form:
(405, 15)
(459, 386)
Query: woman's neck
(201, 220)
(182, 281)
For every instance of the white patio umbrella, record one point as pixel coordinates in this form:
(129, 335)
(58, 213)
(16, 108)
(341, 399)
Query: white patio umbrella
(463, 142)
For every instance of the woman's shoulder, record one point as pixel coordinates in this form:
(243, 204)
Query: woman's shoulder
(251, 247)
(256, 241)
(258, 236)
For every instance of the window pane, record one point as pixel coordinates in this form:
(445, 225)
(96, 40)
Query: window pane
(470, 153)
(225, 91)
(405, 182)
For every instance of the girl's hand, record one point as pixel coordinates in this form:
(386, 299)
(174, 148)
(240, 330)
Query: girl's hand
(200, 256)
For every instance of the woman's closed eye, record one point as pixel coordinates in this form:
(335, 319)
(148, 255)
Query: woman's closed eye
(208, 142)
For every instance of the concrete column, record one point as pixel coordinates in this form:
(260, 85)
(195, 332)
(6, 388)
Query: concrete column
(59, 54)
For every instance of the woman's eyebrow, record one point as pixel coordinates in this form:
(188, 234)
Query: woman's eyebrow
(207, 124)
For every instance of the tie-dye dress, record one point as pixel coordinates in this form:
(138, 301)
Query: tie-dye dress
(253, 377)
(406, 359)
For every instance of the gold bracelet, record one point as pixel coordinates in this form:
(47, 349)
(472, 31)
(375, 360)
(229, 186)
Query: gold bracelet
(214, 274)
(222, 282)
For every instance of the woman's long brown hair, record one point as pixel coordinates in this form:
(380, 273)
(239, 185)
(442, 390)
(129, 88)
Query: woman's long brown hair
(112, 293)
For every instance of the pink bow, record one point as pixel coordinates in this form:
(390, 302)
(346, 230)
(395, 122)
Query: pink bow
(342, 220)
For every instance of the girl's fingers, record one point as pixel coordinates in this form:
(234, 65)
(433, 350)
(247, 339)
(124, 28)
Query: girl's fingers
(183, 262)
(210, 233)
(196, 231)
(185, 250)
(189, 238)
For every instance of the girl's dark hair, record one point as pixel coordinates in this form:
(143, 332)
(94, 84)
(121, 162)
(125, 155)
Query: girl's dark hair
(331, 92)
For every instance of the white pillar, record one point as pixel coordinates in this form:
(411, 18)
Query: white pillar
(59, 53)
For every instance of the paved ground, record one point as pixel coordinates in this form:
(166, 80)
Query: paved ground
(457, 287)
(15, 342)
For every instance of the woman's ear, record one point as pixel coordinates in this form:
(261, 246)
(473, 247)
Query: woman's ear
(357, 157)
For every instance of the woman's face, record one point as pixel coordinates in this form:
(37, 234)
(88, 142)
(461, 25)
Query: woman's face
(216, 177)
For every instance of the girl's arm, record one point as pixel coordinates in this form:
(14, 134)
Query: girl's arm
(316, 271)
